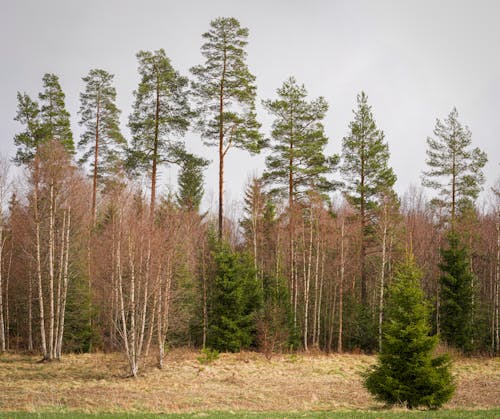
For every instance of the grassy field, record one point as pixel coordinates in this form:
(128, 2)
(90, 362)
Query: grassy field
(316, 384)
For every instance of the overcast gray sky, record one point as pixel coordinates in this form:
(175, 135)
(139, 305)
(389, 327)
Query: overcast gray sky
(414, 59)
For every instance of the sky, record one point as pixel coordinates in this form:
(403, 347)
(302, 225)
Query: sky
(416, 60)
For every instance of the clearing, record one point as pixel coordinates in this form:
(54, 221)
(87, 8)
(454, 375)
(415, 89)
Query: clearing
(97, 383)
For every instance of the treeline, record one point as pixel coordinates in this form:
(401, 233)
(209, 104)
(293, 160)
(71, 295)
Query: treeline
(102, 264)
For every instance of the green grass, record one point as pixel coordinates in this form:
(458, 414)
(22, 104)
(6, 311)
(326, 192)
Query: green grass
(492, 413)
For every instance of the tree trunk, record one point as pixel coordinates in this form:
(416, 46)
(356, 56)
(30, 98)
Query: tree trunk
(51, 272)
(65, 283)
(382, 279)
(39, 272)
(341, 284)
(30, 311)
(221, 147)
(2, 323)
(205, 303)
(497, 286)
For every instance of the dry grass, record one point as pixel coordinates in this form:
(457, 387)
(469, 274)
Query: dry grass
(246, 381)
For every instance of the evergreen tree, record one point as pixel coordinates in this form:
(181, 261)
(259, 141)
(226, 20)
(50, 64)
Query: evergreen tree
(366, 172)
(406, 371)
(161, 112)
(456, 295)
(297, 162)
(101, 141)
(190, 181)
(54, 117)
(454, 169)
(27, 142)
(225, 92)
(235, 300)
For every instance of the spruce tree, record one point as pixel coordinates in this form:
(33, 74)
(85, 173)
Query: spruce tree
(235, 300)
(224, 91)
(366, 172)
(455, 170)
(190, 181)
(406, 371)
(160, 114)
(54, 117)
(456, 295)
(102, 140)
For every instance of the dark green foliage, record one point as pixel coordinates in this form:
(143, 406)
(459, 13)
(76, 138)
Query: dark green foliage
(161, 112)
(367, 175)
(235, 299)
(363, 329)
(454, 170)
(190, 181)
(456, 295)
(27, 141)
(225, 77)
(54, 117)
(297, 161)
(100, 118)
(365, 159)
(406, 371)
(224, 92)
(78, 333)
(42, 122)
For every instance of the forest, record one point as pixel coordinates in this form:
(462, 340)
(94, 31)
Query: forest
(93, 259)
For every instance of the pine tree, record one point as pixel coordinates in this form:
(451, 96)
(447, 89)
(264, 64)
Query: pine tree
(406, 371)
(54, 117)
(190, 181)
(101, 141)
(456, 295)
(297, 162)
(27, 142)
(454, 169)
(235, 301)
(161, 113)
(366, 172)
(225, 92)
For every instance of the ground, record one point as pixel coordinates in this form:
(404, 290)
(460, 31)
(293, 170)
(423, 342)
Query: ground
(93, 383)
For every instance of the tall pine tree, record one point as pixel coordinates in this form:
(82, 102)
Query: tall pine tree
(297, 162)
(43, 121)
(225, 92)
(54, 117)
(102, 140)
(455, 170)
(366, 172)
(29, 139)
(161, 113)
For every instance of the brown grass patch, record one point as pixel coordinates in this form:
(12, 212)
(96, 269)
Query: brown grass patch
(247, 381)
